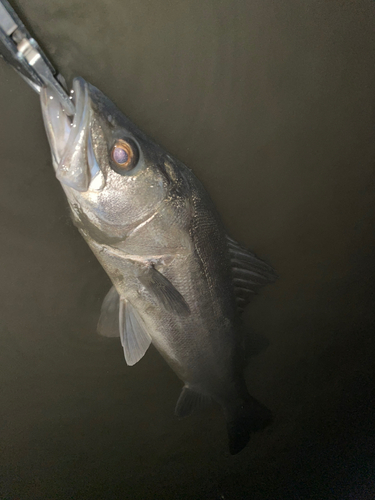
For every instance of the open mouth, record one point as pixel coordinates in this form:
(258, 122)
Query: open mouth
(70, 138)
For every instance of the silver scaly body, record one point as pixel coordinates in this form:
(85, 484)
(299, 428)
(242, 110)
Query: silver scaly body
(179, 281)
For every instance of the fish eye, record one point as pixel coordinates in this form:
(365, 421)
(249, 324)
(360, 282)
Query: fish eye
(124, 155)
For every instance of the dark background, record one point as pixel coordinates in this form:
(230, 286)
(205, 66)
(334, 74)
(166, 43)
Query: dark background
(271, 104)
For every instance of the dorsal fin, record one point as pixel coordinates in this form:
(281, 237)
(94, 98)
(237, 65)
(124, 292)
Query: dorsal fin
(249, 273)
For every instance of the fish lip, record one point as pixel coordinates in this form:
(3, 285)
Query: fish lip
(70, 139)
(60, 127)
(80, 86)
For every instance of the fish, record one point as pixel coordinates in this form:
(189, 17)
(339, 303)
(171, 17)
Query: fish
(179, 281)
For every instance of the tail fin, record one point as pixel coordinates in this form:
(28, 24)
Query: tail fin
(249, 417)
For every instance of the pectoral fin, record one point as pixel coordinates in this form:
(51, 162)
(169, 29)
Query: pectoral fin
(133, 333)
(165, 294)
(108, 324)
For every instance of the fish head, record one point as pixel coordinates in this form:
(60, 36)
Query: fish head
(111, 172)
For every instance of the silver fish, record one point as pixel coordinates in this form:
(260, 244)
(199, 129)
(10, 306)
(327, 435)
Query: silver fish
(178, 280)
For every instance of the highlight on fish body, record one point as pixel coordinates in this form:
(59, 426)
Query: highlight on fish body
(179, 281)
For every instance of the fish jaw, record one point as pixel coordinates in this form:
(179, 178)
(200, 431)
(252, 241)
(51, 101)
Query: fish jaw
(70, 139)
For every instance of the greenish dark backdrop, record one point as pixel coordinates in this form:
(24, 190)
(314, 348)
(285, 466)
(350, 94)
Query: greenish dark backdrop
(272, 105)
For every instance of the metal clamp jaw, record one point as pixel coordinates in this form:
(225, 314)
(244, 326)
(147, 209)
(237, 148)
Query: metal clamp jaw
(20, 50)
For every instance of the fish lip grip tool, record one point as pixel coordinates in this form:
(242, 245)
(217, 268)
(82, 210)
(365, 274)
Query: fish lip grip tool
(24, 54)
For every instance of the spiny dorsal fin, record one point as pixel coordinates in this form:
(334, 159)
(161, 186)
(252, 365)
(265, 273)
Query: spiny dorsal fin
(249, 273)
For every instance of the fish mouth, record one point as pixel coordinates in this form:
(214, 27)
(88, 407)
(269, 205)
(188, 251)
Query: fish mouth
(70, 139)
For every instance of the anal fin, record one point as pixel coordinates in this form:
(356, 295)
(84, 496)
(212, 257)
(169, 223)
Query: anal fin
(189, 401)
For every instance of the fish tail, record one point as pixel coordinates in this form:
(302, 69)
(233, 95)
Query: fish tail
(244, 419)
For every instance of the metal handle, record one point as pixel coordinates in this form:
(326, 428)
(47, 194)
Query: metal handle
(22, 51)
